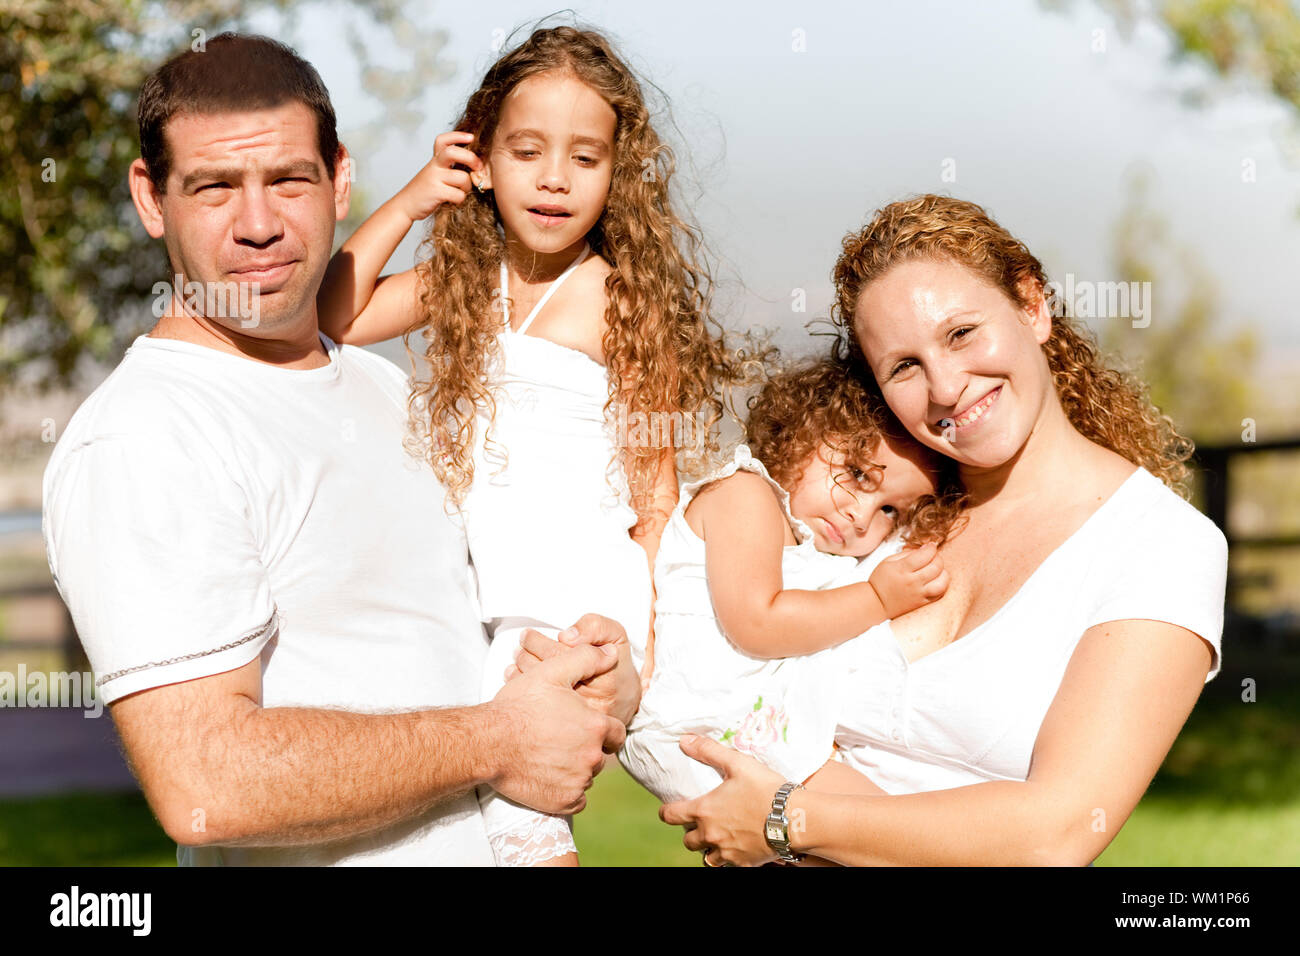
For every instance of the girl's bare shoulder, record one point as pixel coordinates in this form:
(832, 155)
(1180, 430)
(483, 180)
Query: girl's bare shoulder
(587, 284)
(740, 496)
(575, 316)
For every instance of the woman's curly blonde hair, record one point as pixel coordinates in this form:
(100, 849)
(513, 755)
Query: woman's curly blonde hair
(1106, 405)
(663, 350)
(825, 401)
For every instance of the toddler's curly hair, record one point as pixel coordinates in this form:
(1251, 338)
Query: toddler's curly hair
(804, 406)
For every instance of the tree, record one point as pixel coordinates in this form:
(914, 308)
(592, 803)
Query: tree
(1255, 40)
(75, 264)
(1199, 376)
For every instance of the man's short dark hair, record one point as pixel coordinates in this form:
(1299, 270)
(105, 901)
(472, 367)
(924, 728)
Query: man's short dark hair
(234, 73)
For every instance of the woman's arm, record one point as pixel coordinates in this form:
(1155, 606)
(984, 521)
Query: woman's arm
(1126, 694)
(744, 533)
(837, 777)
(357, 306)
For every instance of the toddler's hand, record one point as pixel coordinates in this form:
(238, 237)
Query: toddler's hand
(910, 579)
(440, 181)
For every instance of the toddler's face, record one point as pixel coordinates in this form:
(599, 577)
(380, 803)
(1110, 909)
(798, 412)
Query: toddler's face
(847, 515)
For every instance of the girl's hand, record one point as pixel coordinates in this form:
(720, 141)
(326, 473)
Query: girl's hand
(909, 579)
(440, 181)
(727, 823)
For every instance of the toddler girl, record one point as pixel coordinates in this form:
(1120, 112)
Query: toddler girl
(560, 293)
(742, 605)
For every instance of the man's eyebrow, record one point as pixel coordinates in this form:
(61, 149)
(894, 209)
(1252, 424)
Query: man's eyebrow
(300, 167)
(213, 173)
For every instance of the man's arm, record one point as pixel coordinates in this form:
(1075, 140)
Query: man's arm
(289, 776)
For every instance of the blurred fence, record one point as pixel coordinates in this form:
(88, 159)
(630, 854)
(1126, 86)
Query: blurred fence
(35, 619)
(1216, 473)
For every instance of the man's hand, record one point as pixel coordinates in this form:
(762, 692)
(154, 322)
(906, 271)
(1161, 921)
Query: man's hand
(553, 744)
(615, 693)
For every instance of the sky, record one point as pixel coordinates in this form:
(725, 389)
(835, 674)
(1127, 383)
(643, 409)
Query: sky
(794, 122)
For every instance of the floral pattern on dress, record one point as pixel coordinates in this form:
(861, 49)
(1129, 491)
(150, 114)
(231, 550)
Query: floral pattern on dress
(761, 728)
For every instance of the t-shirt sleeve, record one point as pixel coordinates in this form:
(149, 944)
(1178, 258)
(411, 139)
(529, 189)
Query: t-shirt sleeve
(1174, 568)
(153, 552)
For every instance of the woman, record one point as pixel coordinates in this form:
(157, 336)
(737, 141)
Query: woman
(1018, 719)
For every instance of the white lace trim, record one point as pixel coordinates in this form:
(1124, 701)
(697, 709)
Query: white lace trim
(541, 838)
(743, 459)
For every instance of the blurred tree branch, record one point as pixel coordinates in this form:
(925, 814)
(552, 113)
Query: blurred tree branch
(1200, 377)
(1254, 39)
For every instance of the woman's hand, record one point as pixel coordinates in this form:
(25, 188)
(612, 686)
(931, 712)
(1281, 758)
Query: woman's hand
(727, 823)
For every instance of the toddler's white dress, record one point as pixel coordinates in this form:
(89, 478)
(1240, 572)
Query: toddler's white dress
(782, 711)
(547, 518)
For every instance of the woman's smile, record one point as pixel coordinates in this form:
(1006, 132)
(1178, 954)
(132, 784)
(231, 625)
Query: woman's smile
(976, 413)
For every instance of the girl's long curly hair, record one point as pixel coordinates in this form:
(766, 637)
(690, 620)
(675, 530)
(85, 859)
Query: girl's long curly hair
(1106, 405)
(663, 350)
(825, 401)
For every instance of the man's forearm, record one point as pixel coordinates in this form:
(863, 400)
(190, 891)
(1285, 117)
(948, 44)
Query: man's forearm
(289, 776)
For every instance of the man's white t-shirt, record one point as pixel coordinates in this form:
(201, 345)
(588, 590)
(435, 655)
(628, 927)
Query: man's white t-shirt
(203, 509)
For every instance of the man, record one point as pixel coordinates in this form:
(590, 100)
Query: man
(277, 607)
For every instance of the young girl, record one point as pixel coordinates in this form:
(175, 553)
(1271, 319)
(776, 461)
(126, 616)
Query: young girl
(560, 293)
(741, 571)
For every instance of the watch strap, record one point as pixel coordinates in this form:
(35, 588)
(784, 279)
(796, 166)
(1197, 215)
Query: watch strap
(777, 827)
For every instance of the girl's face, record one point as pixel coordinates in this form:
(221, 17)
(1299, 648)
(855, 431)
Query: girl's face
(960, 365)
(550, 162)
(847, 515)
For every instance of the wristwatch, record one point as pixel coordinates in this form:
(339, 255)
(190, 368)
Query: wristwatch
(777, 827)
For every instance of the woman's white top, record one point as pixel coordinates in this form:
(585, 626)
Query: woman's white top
(547, 516)
(781, 710)
(971, 711)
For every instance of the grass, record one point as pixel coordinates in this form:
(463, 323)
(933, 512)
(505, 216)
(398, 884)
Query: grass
(83, 829)
(1227, 795)
(621, 827)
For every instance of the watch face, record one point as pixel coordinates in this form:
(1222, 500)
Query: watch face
(774, 832)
